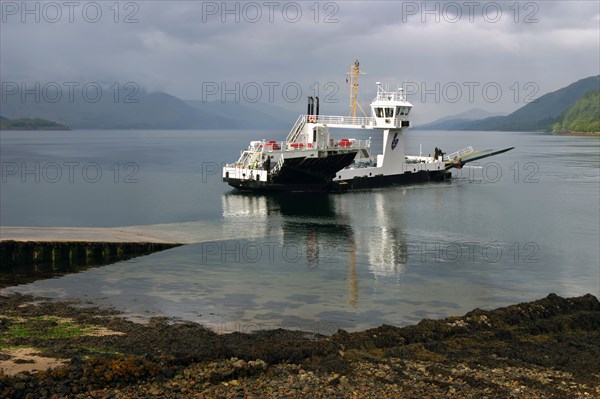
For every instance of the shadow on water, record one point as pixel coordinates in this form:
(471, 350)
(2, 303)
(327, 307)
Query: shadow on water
(286, 204)
(292, 215)
(26, 262)
(314, 205)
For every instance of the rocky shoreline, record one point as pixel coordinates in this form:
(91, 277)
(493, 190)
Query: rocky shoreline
(548, 348)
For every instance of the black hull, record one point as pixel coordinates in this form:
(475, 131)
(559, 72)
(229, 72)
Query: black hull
(261, 186)
(301, 174)
(313, 171)
(359, 183)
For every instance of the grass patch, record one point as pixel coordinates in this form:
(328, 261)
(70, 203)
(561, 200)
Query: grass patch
(17, 331)
(65, 331)
(47, 328)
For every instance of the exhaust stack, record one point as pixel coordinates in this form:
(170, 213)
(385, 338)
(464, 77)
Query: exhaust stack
(311, 105)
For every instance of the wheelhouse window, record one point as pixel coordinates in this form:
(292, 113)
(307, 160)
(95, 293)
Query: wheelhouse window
(402, 111)
(379, 112)
(389, 112)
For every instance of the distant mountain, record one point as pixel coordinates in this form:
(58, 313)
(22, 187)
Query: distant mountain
(150, 111)
(583, 116)
(540, 114)
(29, 124)
(456, 122)
(250, 115)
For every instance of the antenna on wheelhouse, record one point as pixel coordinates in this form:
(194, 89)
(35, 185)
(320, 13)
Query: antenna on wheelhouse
(354, 73)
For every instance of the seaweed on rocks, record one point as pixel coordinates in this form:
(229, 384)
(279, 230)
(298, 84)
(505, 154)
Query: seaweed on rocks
(549, 347)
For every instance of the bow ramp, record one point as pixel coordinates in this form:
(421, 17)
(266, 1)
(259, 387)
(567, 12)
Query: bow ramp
(460, 158)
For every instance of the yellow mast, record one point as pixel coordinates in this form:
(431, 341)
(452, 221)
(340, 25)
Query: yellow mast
(354, 73)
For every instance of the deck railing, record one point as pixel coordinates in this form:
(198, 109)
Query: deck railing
(342, 120)
(236, 171)
(296, 128)
(329, 120)
(277, 166)
(458, 154)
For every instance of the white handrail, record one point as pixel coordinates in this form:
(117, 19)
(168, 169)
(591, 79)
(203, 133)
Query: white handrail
(345, 120)
(296, 129)
(277, 166)
(458, 154)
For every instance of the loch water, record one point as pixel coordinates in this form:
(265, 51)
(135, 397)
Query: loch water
(512, 228)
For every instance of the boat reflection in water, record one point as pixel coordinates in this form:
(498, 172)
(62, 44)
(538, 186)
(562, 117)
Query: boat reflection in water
(326, 231)
(379, 237)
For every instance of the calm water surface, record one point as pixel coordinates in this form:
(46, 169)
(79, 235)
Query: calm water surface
(515, 228)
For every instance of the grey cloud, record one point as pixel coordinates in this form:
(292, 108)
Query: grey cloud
(175, 48)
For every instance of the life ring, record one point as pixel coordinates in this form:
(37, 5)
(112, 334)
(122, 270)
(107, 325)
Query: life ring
(311, 118)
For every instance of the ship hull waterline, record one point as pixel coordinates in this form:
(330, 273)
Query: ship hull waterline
(357, 183)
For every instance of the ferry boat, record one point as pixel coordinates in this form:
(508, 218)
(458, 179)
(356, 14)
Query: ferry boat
(311, 159)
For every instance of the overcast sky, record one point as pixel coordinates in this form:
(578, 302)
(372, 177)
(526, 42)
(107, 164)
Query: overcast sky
(190, 49)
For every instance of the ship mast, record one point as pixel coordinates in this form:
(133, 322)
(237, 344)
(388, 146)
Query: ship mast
(354, 73)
